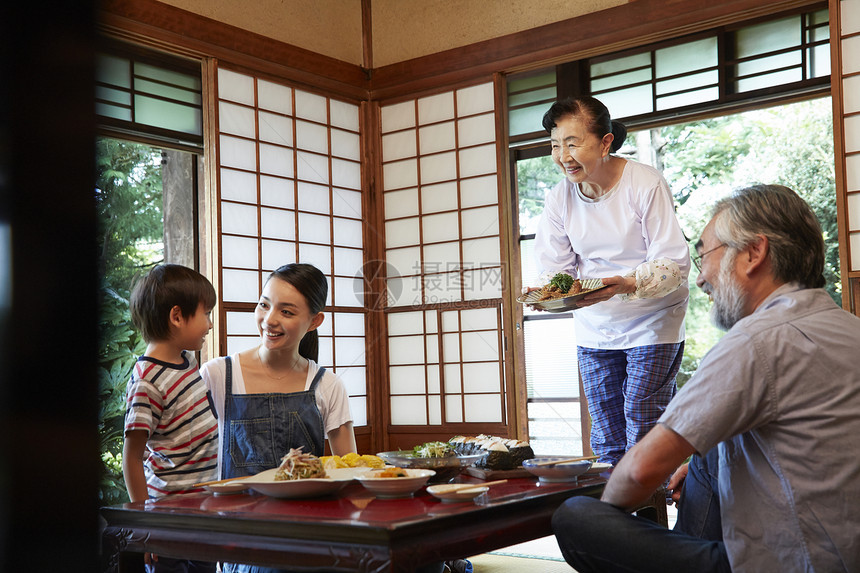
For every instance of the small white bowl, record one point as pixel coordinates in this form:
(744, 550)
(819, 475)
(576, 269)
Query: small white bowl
(454, 493)
(394, 487)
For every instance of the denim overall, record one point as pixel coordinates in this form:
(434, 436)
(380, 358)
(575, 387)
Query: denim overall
(260, 429)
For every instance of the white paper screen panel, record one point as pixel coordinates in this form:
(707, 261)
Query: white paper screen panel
(849, 18)
(438, 164)
(460, 367)
(289, 177)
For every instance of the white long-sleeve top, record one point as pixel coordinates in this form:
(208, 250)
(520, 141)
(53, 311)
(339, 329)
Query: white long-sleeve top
(630, 231)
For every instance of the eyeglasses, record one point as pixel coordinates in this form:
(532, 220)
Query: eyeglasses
(697, 259)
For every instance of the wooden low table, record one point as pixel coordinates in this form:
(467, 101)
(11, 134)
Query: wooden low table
(351, 531)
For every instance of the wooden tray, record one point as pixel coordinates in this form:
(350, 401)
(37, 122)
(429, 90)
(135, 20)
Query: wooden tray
(497, 474)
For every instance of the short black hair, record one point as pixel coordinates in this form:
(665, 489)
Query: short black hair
(162, 288)
(598, 120)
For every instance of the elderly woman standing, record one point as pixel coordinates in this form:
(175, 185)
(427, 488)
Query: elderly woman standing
(614, 219)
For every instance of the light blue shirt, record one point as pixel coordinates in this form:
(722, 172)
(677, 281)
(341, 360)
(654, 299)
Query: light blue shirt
(780, 394)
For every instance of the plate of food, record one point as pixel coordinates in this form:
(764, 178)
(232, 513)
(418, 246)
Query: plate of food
(561, 293)
(556, 469)
(302, 475)
(227, 488)
(441, 457)
(394, 482)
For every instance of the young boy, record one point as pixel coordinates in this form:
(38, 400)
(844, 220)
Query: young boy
(171, 433)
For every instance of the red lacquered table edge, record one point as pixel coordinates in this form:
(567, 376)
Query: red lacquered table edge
(350, 531)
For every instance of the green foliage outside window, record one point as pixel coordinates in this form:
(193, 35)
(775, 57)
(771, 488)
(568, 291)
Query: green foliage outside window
(128, 198)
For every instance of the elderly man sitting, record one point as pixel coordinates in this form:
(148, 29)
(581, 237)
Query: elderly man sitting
(779, 396)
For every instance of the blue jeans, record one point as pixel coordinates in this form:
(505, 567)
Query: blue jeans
(595, 536)
(699, 506)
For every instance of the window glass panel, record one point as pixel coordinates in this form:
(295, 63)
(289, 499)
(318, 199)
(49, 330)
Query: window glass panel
(481, 252)
(407, 380)
(438, 137)
(531, 80)
(555, 428)
(275, 97)
(348, 262)
(405, 261)
(347, 232)
(239, 252)
(236, 119)
(276, 160)
(277, 192)
(542, 95)
(239, 343)
(120, 97)
(358, 409)
(551, 366)
(442, 227)
(686, 58)
(688, 82)
(165, 76)
(345, 144)
(238, 186)
(818, 64)
(440, 197)
(688, 98)
(107, 110)
(312, 167)
(238, 219)
(399, 145)
(311, 136)
(278, 253)
(401, 203)
(481, 222)
(276, 128)
(314, 228)
(475, 99)
(346, 173)
(176, 94)
(408, 410)
(235, 87)
(313, 197)
(617, 65)
(628, 102)
(477, 160)
(477, 129)
(771, 63)
(311, 106)
(436, 108)
(168, 115)
(398, 116)
(400, 174)
(439, 167)
(344, 115)
(768, 80)
(479, 191)
(401, 232)
(405, 323)
(618, 80)
(478, 346)
(354, 379)
(346, 202)
(317, 255)
(240, 286)
(113, 70)
(483, 408)
(278, 224)
(526, 120)
(242, 323)
(767, 37)
(482, 283)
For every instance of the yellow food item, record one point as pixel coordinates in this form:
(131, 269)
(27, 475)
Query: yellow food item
(352, 460)
(372, 461)
(333, 462)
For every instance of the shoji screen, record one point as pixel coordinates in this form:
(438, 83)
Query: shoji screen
(849, 77)
(290, 191)
(442, 248)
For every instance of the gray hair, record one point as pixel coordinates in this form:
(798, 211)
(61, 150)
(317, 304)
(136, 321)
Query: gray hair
(794, 235)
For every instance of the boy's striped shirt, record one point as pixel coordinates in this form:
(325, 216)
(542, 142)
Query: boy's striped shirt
(171, 403)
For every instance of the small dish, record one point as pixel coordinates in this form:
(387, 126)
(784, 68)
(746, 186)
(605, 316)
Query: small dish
(455, 493)
(565, 303)
(335, 480)
(228, 488)
(598, 467)
(394, 487)
(446, 468)
(562, 472)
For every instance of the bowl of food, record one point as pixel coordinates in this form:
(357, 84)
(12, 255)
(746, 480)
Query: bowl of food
(456, 493)
(437, 456)
(556, 469)
(394, 482)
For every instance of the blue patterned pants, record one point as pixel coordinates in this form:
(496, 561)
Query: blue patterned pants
(627, 390)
